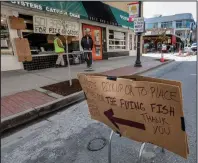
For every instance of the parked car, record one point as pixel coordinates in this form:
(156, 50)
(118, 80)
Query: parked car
(164, 48)
(194, 47)
(187, 49)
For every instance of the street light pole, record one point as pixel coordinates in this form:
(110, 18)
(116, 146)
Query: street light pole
(138, 62)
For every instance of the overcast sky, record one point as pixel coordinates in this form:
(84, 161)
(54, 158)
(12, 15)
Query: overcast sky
(169, 8)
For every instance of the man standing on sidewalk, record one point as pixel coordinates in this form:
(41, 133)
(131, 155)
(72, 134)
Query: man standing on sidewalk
(59, 49)
(87, 45)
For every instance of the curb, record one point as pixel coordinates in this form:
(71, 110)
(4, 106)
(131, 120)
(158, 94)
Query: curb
(58, 104)
(165, 63)
(34, 113)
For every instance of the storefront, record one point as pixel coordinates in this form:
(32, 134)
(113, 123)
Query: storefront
(154, 38)
(42, 23)
(112, 33)
(118, 38)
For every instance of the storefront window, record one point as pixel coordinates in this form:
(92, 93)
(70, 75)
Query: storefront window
(41, 42)
(5, 37)
(117, 40)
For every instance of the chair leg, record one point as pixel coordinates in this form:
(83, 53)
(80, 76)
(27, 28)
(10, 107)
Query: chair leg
(140, 152)
(109, 147)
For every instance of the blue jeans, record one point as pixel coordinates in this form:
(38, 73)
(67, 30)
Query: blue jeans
(88, 59)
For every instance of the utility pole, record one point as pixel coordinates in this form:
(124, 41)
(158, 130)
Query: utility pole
(138, 62)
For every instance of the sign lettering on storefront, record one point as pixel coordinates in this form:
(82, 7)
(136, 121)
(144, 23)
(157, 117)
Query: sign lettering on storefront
(44, 8)
(102, 21)
(48, 25)
(124, 18)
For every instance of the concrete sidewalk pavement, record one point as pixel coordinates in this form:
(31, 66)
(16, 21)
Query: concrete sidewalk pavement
(18, 81)
(24, 101)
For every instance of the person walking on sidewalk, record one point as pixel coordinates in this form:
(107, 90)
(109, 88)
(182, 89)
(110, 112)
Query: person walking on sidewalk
(87, 45)
(59, 49)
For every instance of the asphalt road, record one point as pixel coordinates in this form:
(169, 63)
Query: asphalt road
(64, 136)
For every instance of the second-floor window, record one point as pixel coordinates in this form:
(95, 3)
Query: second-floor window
(151, 25)
(166, 25)
(183, 23)
(179, 24)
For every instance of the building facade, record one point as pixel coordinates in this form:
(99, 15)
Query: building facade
(109, 27)
(183, 25)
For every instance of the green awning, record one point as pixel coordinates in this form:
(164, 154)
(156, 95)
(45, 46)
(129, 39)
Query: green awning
(122, 18)
(70, 8)
(74, 7)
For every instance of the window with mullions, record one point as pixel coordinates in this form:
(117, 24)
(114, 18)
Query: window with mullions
(166, 25)
(179, 24)
(6, 47)
(117, 40)
(183, 23)
(151, 25)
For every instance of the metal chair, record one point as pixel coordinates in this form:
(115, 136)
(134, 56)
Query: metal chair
(140, 151)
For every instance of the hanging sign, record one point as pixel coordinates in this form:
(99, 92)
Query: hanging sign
(133, 10)
(139, 25)
(140, 108)
(47, 25)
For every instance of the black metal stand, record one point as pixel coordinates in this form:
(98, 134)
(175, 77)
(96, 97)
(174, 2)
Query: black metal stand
(138, 62)
(140, 151)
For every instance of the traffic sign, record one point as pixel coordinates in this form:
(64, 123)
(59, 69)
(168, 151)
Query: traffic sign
(139, 25)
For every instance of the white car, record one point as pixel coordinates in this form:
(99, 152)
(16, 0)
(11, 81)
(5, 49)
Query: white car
(187, 49)
(164, 48)
(194, 47)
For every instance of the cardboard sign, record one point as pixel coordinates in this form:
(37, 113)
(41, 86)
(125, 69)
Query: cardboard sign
(23, 49)
(141, 108)
(17, 23)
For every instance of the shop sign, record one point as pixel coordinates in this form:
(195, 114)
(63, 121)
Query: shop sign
(102, 21)
(44, 8)
(46, 25)
(124, 18)
(139, 25)
(133, 10)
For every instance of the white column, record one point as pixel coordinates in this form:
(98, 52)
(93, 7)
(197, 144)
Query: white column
(107, 38)
(80, 35)
(127, 40)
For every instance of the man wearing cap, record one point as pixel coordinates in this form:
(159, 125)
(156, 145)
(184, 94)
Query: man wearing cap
(87, 45)
(59, 49)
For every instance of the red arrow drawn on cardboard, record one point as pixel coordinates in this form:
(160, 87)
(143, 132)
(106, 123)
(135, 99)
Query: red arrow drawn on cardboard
(109, 114)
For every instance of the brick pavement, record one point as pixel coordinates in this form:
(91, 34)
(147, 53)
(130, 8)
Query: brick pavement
(22, 101)
(129, 70)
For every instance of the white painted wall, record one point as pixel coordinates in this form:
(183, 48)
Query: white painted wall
(10, 62)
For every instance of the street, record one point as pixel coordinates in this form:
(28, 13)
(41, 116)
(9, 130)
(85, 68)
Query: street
(63, 137)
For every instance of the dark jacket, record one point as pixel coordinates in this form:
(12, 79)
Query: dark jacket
(84, 43)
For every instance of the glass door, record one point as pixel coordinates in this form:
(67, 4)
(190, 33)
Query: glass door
(96, 35)
(132, 44)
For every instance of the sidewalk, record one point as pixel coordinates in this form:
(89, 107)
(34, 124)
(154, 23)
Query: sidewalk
(22, 99)
(18, 81)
